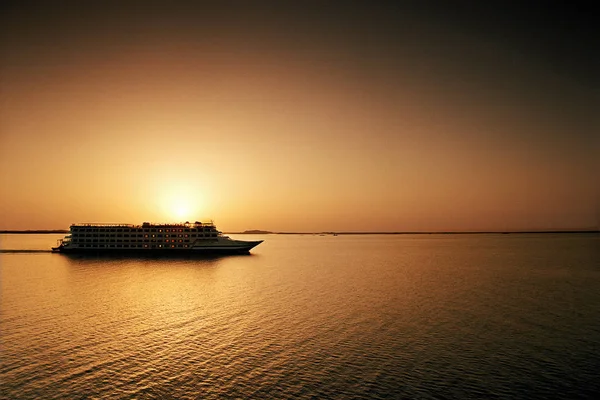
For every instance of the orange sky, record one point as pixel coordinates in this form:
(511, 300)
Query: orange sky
(293, 120)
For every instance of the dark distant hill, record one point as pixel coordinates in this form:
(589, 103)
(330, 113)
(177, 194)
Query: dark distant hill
(256, 232)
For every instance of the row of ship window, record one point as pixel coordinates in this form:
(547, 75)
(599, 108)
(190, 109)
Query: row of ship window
(119, 235)
(145, 246)
(132, 240)
(132, 230)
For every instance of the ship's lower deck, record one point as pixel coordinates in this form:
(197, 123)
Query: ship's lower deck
(230, 247)
(156, 252)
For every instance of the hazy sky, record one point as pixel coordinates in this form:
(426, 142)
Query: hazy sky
(306, 116)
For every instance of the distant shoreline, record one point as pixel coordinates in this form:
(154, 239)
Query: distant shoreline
(55, 231)
(408, 233)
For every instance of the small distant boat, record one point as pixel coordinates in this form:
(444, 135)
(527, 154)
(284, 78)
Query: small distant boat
(193, 238)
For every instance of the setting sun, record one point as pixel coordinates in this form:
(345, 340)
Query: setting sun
(181, 209)
(181, 204)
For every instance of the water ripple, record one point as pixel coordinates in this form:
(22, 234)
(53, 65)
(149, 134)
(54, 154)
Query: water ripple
(497, 317)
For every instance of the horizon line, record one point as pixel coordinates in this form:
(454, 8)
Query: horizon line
(265, 232)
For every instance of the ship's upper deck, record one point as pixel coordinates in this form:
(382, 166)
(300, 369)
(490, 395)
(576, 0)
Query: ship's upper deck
(197, 224)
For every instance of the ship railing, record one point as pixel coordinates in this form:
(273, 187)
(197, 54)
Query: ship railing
(209, 222)
(180, 224)
(104, 224)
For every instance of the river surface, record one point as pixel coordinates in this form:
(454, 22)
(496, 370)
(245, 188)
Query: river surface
(307, 317)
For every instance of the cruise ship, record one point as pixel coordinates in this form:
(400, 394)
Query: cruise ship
(149, 238)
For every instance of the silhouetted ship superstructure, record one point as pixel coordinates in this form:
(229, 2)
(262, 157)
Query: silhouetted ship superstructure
(194, 238)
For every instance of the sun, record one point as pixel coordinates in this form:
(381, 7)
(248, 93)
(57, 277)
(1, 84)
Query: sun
(180, 204)
(181, 209)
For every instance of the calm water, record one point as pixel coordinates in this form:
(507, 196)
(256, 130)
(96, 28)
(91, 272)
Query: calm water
(376, 316)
